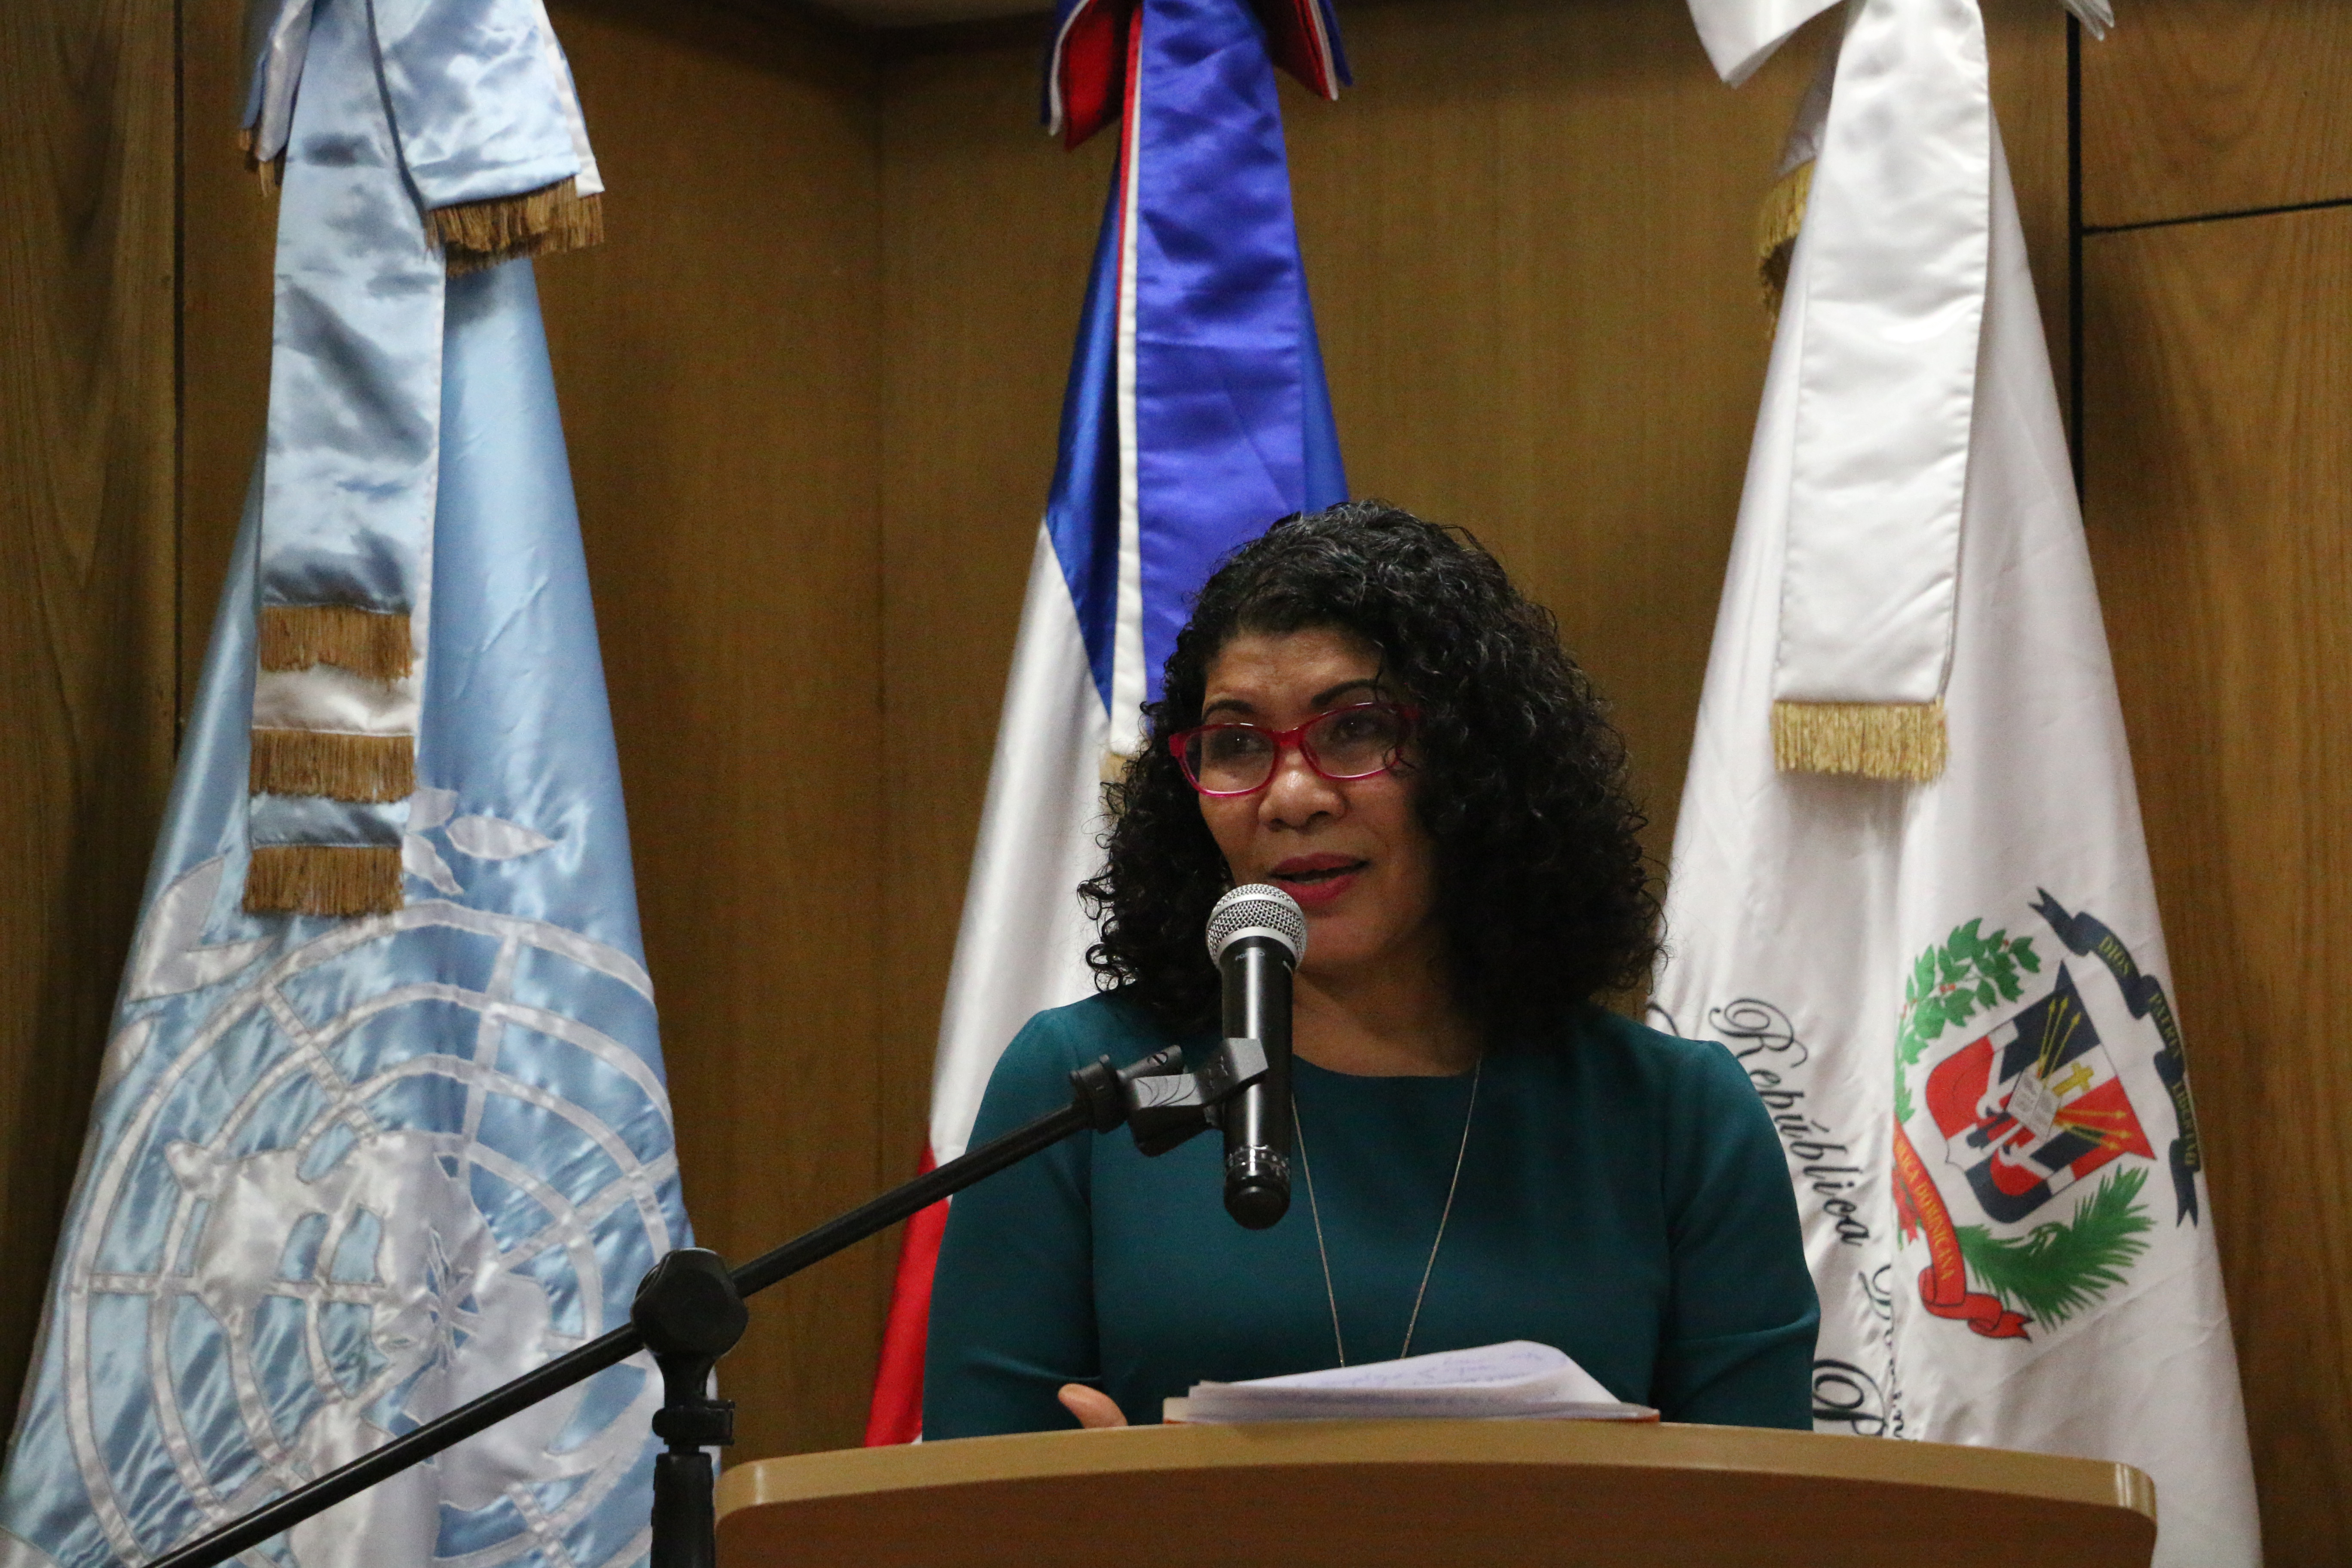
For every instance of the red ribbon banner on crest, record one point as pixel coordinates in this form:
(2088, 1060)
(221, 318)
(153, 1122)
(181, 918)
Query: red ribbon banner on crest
(1944, 1283)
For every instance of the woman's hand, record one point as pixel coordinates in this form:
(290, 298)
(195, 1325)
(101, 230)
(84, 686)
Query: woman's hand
(1092, 1406)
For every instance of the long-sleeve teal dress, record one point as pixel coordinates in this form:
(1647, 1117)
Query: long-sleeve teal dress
(1622, 1196)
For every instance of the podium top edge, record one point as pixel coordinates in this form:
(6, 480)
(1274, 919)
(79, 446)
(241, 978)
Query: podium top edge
(1994, 1473)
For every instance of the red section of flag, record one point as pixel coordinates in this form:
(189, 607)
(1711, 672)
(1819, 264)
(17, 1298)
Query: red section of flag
(1094, 66)
(896, 1413)
(1294, 39)
(1093, 57)
(1960, 1085)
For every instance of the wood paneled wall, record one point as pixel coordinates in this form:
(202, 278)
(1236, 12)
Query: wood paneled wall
(988, 235)
(88, 449)
(2217, 398)
(2193, 108)
(722, 395)
(811, 386)
(228, 227)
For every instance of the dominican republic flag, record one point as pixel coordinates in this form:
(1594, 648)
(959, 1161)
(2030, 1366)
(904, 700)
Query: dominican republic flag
(1946, 972)
(1196, 416)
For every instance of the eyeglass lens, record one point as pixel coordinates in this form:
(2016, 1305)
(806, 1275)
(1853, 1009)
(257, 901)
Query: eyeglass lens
(1350, 743)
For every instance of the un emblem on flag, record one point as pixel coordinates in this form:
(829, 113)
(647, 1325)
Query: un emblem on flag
(342, 1190)
(2026, 1178)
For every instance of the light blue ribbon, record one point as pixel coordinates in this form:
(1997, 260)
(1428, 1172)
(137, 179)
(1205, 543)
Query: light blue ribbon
(355, 358)
(471, 88)
(391, 110)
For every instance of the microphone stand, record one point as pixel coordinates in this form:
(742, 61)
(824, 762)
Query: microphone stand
(689, 1311)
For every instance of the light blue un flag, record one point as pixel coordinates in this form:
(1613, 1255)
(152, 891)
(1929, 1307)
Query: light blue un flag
(344, 1174)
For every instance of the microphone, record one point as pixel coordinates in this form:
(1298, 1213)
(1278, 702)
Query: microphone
(1257, 934)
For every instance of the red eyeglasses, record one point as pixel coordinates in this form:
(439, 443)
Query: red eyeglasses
(1353, 743)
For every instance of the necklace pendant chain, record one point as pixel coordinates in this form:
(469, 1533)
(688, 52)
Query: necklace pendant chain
(1315, 1212)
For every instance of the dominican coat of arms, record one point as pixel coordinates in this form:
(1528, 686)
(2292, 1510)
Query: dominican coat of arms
(2026, 1178)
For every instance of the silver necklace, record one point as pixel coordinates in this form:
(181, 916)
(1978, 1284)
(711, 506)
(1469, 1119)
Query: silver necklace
(1315, 1212)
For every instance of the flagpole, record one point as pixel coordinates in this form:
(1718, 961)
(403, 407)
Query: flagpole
(676, 1316)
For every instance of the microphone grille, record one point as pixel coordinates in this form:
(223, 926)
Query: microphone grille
(1256, 908)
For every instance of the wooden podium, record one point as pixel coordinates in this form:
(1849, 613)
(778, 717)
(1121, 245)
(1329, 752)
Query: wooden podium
(1363, 1494)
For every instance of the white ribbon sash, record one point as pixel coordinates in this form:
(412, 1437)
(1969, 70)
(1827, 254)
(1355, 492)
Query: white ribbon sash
(1897, 232)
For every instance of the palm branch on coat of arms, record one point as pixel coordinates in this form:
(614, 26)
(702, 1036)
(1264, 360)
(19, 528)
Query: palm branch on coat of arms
(2060, 1267)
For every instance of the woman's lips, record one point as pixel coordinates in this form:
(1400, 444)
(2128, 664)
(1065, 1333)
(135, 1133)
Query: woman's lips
(1316, 882)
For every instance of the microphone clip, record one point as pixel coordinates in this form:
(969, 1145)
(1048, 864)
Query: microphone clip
(1163, 1105)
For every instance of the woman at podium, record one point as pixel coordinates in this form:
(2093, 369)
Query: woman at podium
(1365, 712)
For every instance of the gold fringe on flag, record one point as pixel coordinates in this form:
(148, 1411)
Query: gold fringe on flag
(322, 879)
(545, 222)
(1778, 223)
(336, 766)
(372, 643)
(1876, 740)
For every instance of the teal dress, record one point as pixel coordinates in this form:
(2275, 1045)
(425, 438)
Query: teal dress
(1622, 1196)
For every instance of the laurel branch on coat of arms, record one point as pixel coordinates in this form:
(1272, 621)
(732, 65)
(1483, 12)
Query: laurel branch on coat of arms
(1969, 973)
(2060, 1267)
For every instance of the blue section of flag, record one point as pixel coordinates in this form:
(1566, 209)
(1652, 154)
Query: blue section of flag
(1082, 511)
(1326, 476)
(343, 1175)
(1231, 413)
(537, 737)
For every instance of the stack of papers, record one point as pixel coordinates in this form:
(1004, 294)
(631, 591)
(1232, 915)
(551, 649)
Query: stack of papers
(1517, 1380)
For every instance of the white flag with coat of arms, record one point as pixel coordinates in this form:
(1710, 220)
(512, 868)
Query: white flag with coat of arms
(1909, 889)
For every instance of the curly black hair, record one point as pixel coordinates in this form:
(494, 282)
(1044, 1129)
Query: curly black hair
(1543, 891)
